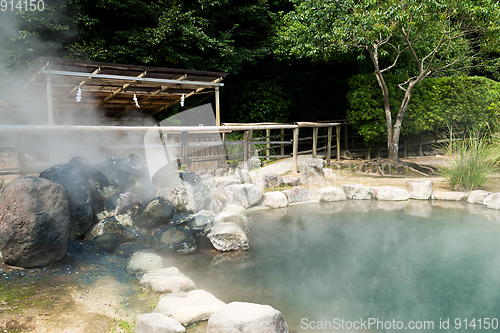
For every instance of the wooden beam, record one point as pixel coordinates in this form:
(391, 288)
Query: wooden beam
(295, 154)
(97, 71)
(186, 96)
(120, 90)
(153, 94)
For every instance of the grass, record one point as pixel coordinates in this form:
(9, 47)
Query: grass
(471, 162)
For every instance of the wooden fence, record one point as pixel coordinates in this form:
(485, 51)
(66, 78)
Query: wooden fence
(198, 147)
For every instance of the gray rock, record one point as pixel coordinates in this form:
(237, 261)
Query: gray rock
(35, 222)
(202, 222)
(209, 179)
(167, 280)
(238, 218)
(120, 225)
(246, 318)
(421, 190)
(275, 200)
(227, 182)
(492, 201)
(390, 193)
(189, 308)
(105, 242)
(185, 197)
(172, 238)
(228, 236)
(357, 191)
(268, 180)
(157, 323)
(80, 201)
(291, 181)
(219, 172)
(155, 213)
(448, 195)
(248, 194)
(477, 196)
(299, 194)
(331, 193)
(242, 175)
(143, 262)
(311, 171)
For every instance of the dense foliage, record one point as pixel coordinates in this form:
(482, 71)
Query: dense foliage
(288, 60)
(466, 102)
(418, 39)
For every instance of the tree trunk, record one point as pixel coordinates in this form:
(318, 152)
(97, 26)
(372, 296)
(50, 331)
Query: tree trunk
(393, 153)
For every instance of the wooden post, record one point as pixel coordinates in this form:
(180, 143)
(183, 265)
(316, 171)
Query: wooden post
(184, 149)
(337, 130)
(217, 107)
(50, 111)
(246, 150)
(346, 137)
(282, 139)
(268, 145)
(329, 146)
(315, 141)
(295, 154)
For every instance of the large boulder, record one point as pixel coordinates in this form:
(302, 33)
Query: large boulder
(228, 236)
(449, 195)
(492, 201)
(421, 190)
(35, 222)
(291, 181)
(189, 308)
(247, 318)
(311, 171)
(477, 196)
(100, 186)
(185, 196)
(357, 191)
(167, 280)
(299, 194)
(80, 200)
(247, 194)
(155, 213)
(242, 175)
(331, 193)
(268, 180)
(157, 323)
(390, 193)
(120, 225)
(172, 238)
(275, 199)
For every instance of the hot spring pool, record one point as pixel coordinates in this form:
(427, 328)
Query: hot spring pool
(322, 263)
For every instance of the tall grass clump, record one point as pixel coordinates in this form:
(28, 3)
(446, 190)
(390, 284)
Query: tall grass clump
(471, 162)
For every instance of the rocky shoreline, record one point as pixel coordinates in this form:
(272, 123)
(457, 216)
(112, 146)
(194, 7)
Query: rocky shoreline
(116, 208)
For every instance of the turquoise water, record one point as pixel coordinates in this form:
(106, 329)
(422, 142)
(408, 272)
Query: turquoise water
(320, 264)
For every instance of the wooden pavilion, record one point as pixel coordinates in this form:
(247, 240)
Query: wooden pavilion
(78, 89)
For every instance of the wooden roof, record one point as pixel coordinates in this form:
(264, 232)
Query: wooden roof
(109, 87)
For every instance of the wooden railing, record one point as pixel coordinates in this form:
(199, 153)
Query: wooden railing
(185, 141)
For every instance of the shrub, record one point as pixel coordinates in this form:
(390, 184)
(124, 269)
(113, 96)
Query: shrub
(470, 164)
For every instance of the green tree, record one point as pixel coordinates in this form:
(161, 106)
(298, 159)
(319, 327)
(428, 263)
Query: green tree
(418, 38)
